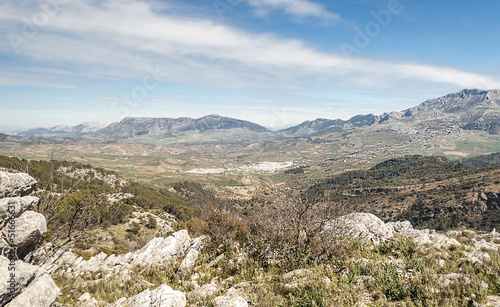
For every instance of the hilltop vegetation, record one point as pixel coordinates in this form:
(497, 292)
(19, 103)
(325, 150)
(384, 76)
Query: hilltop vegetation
(78, 198)
(430, 192)
(483, 160)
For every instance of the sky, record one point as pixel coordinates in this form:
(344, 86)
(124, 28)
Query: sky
(272, 62)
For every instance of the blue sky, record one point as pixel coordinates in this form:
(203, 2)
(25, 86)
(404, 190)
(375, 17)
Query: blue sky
(273, 62)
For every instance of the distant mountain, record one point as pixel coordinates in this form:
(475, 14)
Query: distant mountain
(62, 131)
(322, 124)
(174, 127)
(468, 109)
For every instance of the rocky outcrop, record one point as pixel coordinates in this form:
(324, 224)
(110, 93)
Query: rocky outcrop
(163, 296)
(364, 226)
(192, 255)
(16, 185)
(21, 284)
(41, 292)
(370, 229)
(424, 236)
(159, 251)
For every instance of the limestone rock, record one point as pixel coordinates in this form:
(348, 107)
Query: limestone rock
(27, 230)
(14, 281)
(364, 226)
(230, 300)
(15, 206)
(203, 292)
(42, 292)
(478, 257)
(192, 255)
(424, 236)
(13, 185)
(163, 296)
(161, 251)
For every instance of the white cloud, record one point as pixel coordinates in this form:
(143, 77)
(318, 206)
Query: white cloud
(298, 8)
(119, 39)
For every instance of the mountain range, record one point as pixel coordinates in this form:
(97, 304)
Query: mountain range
(469, 109)
(62, 131)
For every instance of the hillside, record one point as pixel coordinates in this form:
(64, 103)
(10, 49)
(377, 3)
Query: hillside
(76, 197)
(483, 160)
(430, 192)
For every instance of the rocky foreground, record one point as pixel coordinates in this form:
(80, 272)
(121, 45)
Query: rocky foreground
(21, 283)
(231, 277)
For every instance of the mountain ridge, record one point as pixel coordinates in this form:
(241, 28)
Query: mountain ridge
(469, 109)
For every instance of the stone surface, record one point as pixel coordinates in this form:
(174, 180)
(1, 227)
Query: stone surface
(424, 236)
(230, 300)
(478, 257)
(15, 206)
(492, 301)
(27, 230)
(364, 226)
(42, 292)
(13, 185)
(24, 273)
(21, 284)
(192, 255)
(203, 292)
(159, 251)
(163, 296)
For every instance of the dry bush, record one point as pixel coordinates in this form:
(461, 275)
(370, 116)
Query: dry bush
(292, 234)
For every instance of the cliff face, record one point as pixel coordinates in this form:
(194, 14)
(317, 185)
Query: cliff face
(21, 284)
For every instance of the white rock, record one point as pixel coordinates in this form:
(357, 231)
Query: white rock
(27, 229)
(42, 292)
(192, 255)
(364, 226)
(230, 301)
(203, 292)
(13, 185)
(15, 206)
(23, 274)
(163, 296)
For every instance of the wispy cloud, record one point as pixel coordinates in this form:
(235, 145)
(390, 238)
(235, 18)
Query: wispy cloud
(119, 38)
(297, 8)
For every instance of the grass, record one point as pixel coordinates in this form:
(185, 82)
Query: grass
(470, 145)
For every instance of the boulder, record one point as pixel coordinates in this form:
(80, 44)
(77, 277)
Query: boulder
(25, 231)
(364, 226)
(424, 236)
(12, 207)
(13, 185)
(163, 296)
(15, 276)
(161, 251)
(230, 300)
(192, 255)
(21, 284)
(42, 292)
